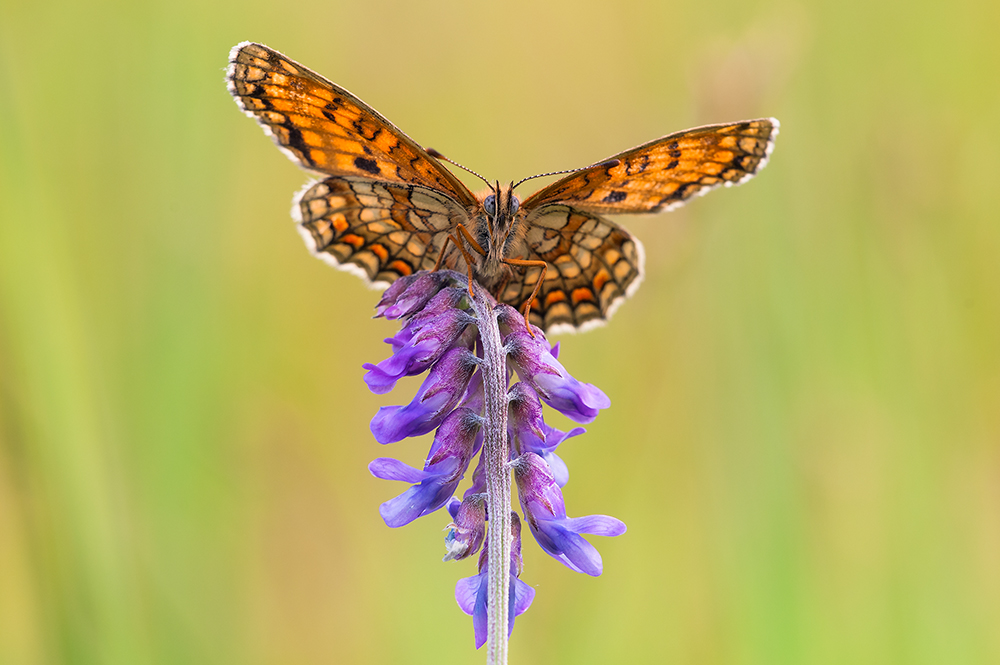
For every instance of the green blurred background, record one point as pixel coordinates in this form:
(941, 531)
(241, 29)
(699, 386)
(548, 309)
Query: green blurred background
(805, 431)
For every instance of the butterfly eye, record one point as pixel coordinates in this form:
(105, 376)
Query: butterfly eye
(514, 205)
(491, 205)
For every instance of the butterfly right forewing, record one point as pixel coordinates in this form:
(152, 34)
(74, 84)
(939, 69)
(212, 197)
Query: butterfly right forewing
(665, 173)
(592, 264)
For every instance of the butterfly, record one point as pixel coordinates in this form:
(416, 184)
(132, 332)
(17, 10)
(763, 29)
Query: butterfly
(384, 207)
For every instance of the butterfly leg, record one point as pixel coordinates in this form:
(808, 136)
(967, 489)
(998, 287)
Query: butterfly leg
(461, 248)
(472, 241)
(437, 264)
(538, 284)
(465, 254)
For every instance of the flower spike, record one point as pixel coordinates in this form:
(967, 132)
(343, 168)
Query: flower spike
(470, 347)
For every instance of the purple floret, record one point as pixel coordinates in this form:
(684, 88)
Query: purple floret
(545, 512)
(438, 395)
(444, 468)
(472, 592)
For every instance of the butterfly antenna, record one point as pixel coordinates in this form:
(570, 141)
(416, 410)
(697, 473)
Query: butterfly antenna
(437, 155)
(611, 163)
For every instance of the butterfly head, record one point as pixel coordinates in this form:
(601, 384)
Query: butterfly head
(500, 207)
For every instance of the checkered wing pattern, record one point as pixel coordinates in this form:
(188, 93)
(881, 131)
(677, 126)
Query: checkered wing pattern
(379, 231)
(665, 173)
(593, 265)
(326, 129)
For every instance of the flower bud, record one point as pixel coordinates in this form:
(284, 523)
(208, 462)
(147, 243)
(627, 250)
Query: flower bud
(465, 534)
(413, 297)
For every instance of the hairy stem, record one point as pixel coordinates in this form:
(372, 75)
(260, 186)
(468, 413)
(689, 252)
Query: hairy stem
(496, 456)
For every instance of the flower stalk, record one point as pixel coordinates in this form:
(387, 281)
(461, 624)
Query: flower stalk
(495, 455)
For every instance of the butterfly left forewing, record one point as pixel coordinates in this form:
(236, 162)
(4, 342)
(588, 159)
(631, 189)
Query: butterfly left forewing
(592, 266)
(326, 129)
(665, 173)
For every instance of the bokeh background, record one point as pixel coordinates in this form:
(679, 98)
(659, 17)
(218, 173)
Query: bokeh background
(805, 431)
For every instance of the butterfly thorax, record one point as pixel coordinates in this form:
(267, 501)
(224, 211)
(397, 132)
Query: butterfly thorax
(499, 232)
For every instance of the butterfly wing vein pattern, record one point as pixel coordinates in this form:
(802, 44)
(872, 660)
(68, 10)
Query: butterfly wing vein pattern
(384, 207)
(380, 231)
(663, 174)
(593, 266)
(326, 129)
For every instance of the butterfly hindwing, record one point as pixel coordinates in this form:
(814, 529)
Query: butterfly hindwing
(592, 266)
(326, 129)
(378, 230)
(663, 174)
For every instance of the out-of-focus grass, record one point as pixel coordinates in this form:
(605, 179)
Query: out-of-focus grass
(805, 430)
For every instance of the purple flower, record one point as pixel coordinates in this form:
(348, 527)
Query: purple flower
(542, 503)
(441, 335)
(444, 468)
(393, 293)
(444, 300)
(474, 396)
(472, 592)
(524, 416)
(532, 358)
(414, 353)
(438, 395)
(478, 478)
(529, 432)
(410, 296)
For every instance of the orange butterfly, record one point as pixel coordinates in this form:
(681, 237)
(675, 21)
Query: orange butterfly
(384, 207)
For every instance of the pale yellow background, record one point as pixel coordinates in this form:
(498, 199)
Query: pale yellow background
(804, 437)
